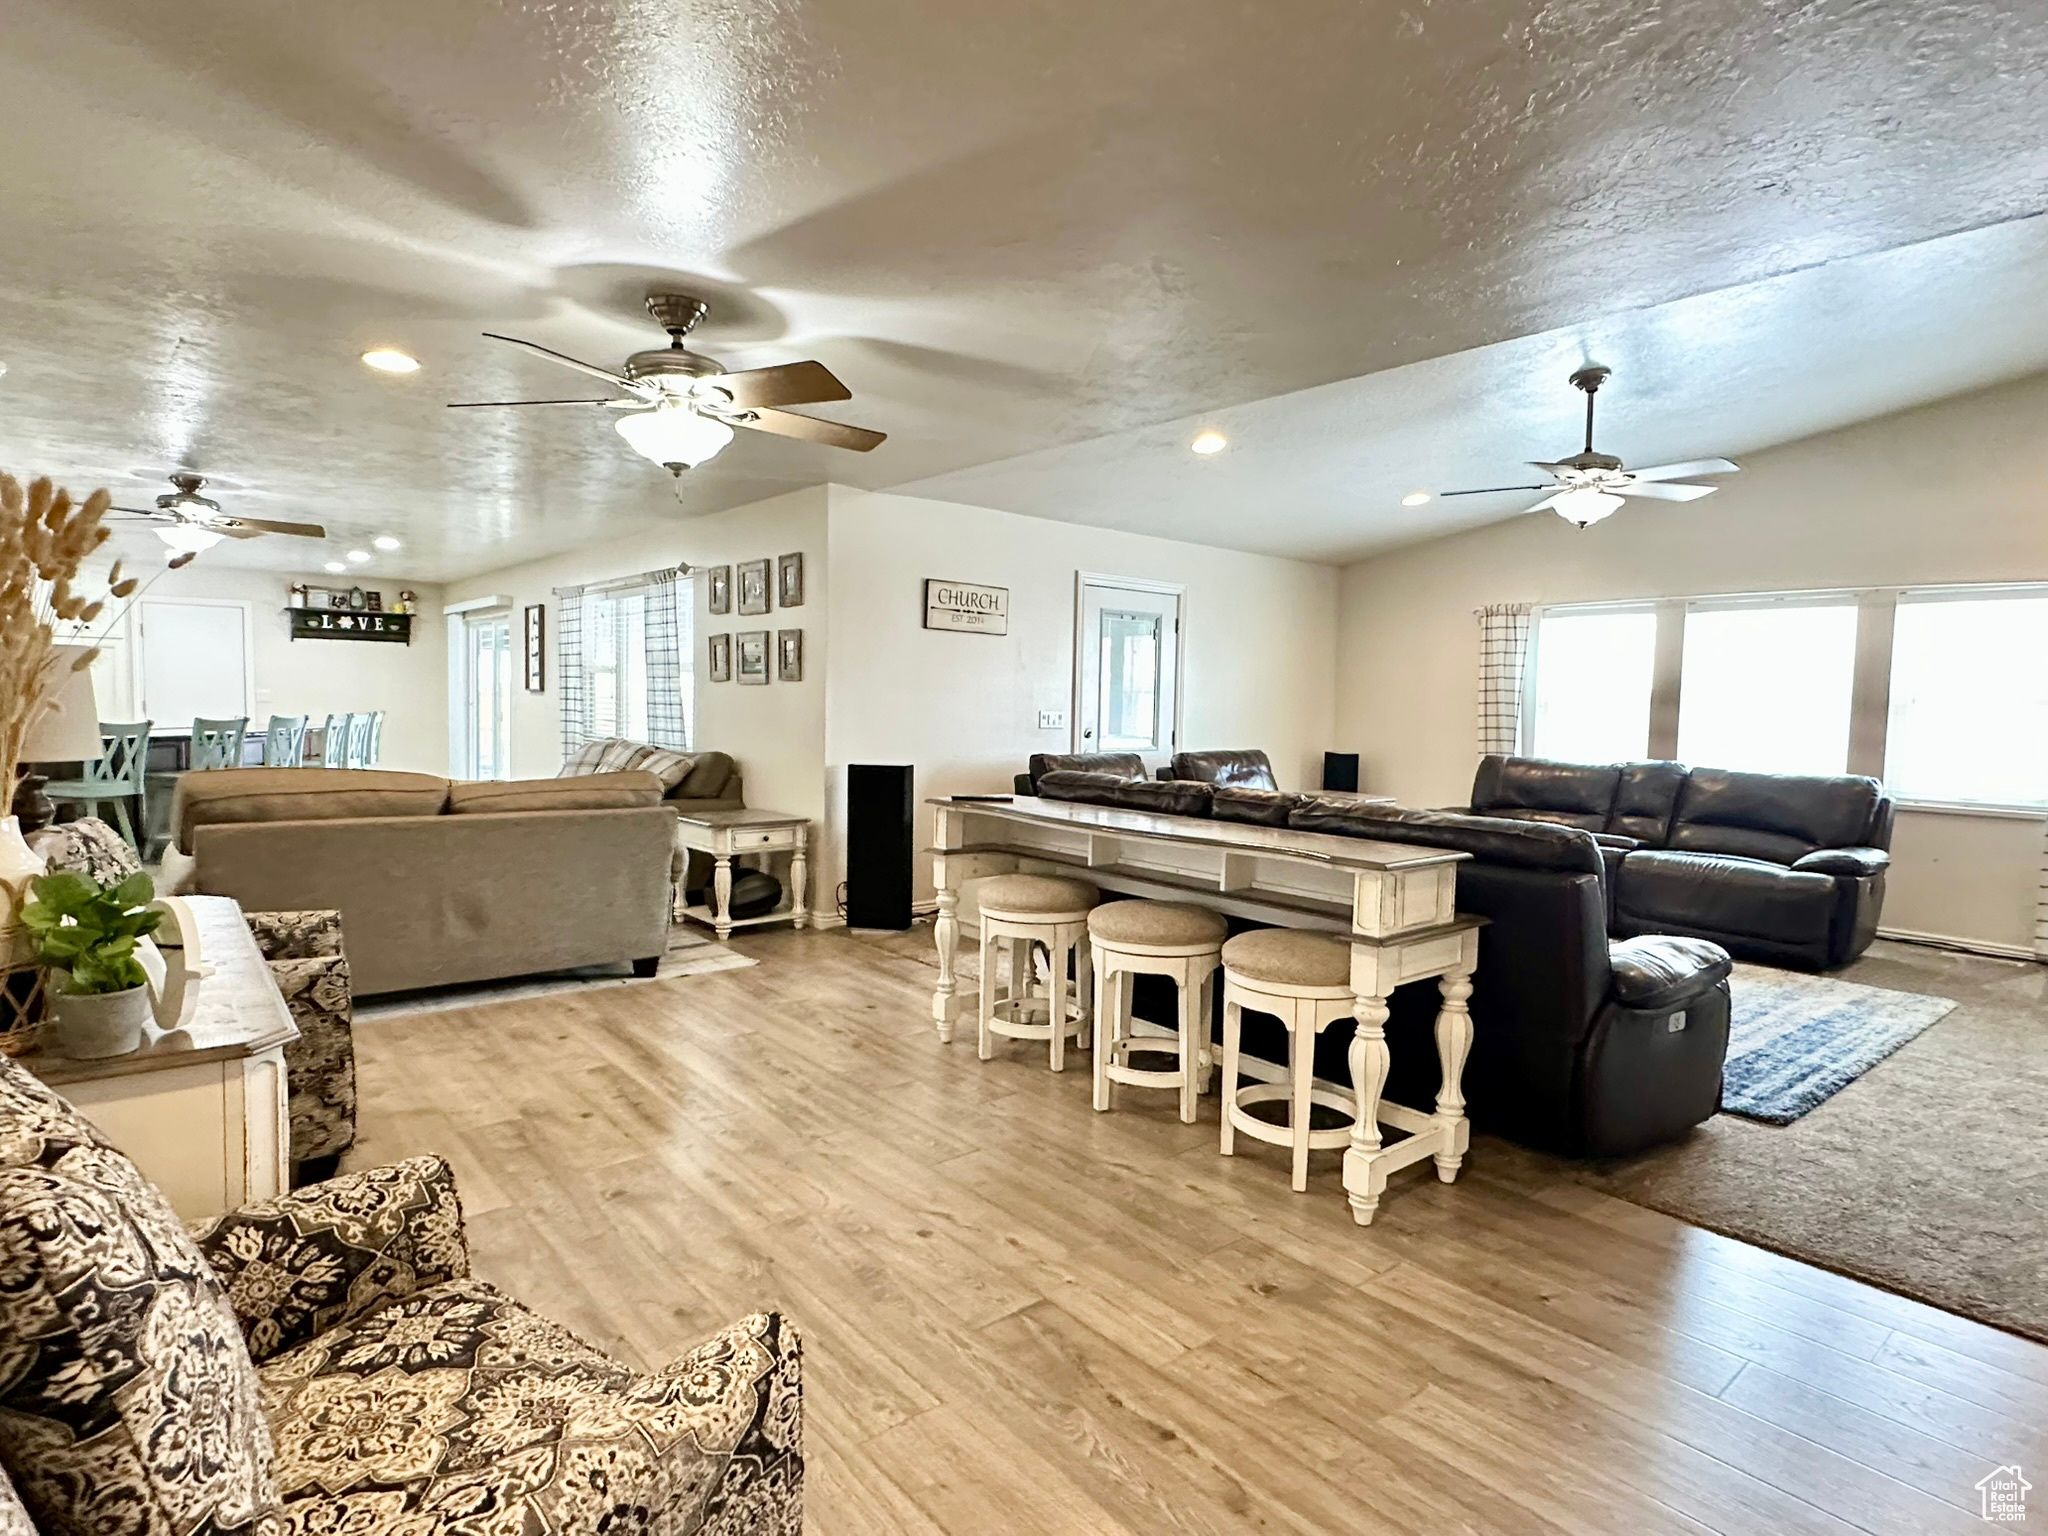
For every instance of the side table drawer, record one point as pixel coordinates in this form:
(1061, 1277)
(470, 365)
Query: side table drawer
(774, 837)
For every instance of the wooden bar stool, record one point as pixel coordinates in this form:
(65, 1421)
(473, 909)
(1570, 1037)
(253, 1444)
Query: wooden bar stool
(1153, 938)
(1029, 910)
(1303, 980)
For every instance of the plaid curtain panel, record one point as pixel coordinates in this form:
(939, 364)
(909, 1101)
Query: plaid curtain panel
(1503, 648)
(569, 681)
(667, 639)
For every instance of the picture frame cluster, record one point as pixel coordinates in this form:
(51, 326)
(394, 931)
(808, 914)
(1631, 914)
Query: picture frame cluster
(752, 588)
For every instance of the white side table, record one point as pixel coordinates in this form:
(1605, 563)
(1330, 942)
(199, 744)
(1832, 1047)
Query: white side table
(203, 1111)
(727, 835)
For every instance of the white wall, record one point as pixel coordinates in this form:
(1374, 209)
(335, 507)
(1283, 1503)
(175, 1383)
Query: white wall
(322, 677)
(777, 733)
(1954, 492)
(1259, 636)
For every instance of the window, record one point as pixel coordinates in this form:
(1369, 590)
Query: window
(1125, 687)
(487, 695)
(623, 658)
(1969, 704)
(615, 662)
(1768, 689)
(1592, 694)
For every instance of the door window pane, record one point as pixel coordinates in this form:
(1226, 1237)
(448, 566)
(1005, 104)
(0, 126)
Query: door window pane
(1593, 673)
(1969, 706)
(1768, 689)
(1130, 681)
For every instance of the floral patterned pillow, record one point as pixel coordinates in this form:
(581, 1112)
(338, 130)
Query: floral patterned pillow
(89, 846)
(128, 1401)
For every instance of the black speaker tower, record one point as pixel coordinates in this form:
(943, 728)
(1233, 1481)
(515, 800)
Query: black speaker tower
(1340, 770)
(878, 845)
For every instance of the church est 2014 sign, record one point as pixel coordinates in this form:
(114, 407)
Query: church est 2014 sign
(963, 606)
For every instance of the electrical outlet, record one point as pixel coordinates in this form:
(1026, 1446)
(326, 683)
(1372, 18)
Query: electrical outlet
(1052, 719)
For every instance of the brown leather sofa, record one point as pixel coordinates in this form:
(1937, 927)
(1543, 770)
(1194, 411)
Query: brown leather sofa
(439, 882)
(1243, 768)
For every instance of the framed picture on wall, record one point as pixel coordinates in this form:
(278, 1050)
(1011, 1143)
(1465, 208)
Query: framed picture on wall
(752, 645)
(718, 589)
(789, 581)
(753, 578)
(720, 657)
(789, 655)
(536, 647)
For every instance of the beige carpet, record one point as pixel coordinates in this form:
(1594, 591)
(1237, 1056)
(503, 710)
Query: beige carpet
(1928, 1175)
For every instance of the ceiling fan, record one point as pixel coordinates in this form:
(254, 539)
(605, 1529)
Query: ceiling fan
(190, 523)
(1589, 486)
(684, 405)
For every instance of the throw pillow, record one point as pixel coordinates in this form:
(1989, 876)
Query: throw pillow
(88, 846)
(609, 754)
(128, 1401)
(670, 767)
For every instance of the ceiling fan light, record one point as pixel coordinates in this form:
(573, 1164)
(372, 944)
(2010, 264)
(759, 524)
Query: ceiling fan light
(1416, 499)
(1584, 506)
(189, 538)
(674, 435)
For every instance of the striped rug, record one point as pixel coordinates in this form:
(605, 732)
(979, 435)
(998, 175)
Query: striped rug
(1795, 1041)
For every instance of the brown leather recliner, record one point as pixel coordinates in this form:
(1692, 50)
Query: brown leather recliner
(1243, 768)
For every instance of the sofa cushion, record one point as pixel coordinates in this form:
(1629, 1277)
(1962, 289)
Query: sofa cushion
(1644, 800)
(1492, 839)
(1171, 797)
(1244, 768)
(1776, 816)
(1721, 893)
(128, 1401)
(301, 794)
(709, 778)
(1536, 789)
(589, 792)
(1124, 765)
(1262, 807)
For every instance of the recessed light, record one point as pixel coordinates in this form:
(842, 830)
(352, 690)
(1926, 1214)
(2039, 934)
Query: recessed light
(385, 542)
(1415, 498)
(334, 567)
(359, 557)
(1211, 441)
(391, 360)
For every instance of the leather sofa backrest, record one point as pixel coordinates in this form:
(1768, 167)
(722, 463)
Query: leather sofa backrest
(1247, 768)
(1536, 789)
(1644, 801)
(1779, 817)
(1491, 839)
(1124, 765)
(1261, 807)
(1168, 797)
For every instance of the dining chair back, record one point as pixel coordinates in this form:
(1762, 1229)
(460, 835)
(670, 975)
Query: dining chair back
(376, 748)
(334, 742)
(116, 777)
(359, 740)
(284, 743)
(217, 744)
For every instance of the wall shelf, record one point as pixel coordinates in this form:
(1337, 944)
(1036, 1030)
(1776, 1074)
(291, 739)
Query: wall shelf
(350, 624)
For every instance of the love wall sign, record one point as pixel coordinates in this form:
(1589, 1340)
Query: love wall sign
(960, 605)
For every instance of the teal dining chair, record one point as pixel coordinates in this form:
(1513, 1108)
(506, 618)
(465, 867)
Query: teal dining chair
(117, 776)
(284, 743)
(334, 742)
(376, 747)
(217, 744)
(358, 755)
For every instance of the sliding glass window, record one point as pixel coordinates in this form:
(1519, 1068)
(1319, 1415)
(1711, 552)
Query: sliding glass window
(1768, 688)
(1591, 699)
(1969, 699)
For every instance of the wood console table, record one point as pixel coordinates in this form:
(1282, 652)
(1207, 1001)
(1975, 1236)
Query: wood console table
(1394, 901)
(203, 1111)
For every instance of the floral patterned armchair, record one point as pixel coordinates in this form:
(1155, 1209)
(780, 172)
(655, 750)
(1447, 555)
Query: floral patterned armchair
(323, 1362)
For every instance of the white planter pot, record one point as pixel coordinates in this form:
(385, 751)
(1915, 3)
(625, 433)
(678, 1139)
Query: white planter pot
(88, 1025)
(18, 866)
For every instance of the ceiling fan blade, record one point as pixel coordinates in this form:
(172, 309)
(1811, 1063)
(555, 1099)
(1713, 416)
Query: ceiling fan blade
(831, 433)
(475, 405)
(567, 361)
(1668, 492)
(152, 515)
(1492, 490)
(785, 384)
(1687, 470)
(234, 528)
(1555, 471)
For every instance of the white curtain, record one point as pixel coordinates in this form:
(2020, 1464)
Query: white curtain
(1503, 649)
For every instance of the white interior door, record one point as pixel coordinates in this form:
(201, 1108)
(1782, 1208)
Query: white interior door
(195, 661)
(487, 695)
(1127, 695)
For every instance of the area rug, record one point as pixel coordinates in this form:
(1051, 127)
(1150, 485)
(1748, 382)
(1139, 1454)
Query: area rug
(1927, 1175)
(690, 953)
(1795, 1041)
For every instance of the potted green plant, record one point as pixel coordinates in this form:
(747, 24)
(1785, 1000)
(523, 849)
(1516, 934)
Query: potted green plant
(85, 934)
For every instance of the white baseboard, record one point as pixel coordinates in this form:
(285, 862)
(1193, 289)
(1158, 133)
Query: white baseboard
(827, 920)
(1966, 946)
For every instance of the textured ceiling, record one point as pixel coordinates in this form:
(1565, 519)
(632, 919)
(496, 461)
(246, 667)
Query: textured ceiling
(1033, 237)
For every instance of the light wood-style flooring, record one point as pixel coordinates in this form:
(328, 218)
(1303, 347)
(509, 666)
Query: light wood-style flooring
(1023, 1316)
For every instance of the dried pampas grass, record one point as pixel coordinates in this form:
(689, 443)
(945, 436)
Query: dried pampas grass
(45, 538)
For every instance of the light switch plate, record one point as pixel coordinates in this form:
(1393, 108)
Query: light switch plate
(1052, 719)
